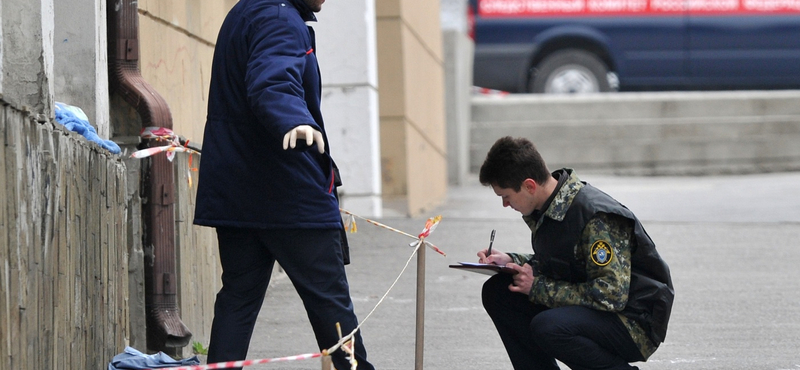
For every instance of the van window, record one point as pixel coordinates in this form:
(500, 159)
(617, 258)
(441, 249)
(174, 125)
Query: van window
(575, 46)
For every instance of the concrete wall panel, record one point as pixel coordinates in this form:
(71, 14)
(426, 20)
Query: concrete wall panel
(347, 53)
(393, 158)
(427, 173)
(346, 43)
(411, 74)
(351, 120)
(179, 68)
(176, 51)
(424, 91)
(200, 18)
(649, 133)
(27, 43)
(423, 18)
(81, 62)
(387, 8)
(458, 82)
(63, 255)
(391, 68)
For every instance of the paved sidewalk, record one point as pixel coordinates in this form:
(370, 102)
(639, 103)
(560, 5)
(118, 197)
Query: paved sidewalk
(731, 243)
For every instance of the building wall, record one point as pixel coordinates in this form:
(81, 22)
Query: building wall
(176, 49)
(81, 62)
(63, 255)
(458, 71)
(27, 55)
(411, 77)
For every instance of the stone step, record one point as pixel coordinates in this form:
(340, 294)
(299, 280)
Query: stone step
(648, 133)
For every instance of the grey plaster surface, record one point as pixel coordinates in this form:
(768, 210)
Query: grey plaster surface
(731, 243)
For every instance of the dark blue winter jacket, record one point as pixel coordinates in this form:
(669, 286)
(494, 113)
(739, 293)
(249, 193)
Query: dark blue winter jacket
(264, 82)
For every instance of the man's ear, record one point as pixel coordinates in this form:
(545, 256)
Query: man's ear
(529, 185)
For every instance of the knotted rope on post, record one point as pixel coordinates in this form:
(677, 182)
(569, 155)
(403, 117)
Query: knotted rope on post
(173, 146)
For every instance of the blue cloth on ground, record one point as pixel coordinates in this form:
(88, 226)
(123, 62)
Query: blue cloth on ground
(75, 120)
(133, 359)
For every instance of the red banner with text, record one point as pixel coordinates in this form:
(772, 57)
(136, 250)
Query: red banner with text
(502, 8)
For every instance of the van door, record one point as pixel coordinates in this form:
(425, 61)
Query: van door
(744, 44)
(651, 50)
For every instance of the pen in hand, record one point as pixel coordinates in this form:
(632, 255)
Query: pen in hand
(491, 241)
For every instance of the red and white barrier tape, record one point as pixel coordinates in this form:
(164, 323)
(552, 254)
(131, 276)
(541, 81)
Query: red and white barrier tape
(477, 90)
(430, 225)
(168, 136)
(225, 365)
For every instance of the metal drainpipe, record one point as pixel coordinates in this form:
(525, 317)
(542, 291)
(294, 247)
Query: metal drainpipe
(165, 329)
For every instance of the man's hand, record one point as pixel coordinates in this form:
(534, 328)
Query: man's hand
(497, 257)
(523, 279)
(303, 132)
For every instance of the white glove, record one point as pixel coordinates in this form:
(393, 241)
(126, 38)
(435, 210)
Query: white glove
(303, 132)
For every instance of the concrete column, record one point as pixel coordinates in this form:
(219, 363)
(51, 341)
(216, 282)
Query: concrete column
(458, 49)
(411, 73)
(454, 15)
(81, 64)
(2, 48)
(347, 53)
(27, 55)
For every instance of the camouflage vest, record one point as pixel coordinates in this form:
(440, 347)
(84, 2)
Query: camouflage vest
(651, 293)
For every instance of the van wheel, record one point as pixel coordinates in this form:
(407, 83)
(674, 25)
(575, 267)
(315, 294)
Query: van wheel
(570, 71)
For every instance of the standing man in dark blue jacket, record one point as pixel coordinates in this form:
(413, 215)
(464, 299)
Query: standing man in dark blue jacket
(267, 181)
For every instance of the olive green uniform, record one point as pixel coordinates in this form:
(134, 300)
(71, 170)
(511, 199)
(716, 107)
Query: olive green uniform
(608, 275)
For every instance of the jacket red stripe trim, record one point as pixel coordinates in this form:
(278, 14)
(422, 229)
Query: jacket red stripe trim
(330, 189)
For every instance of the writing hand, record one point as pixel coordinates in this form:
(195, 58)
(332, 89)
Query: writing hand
(495, 256)
(303, 132)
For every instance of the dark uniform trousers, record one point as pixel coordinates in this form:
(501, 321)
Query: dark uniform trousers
(535, 336)
(311, 258)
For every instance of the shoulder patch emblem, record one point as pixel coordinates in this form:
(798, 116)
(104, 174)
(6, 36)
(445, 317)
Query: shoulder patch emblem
(601, 253)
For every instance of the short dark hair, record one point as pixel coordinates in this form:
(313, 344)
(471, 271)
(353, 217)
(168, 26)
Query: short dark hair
(512, 160)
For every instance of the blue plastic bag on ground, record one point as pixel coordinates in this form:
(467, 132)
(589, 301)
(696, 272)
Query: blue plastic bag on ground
(133, 359)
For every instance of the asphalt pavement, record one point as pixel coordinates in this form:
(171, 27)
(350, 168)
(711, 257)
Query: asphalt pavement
(731, 243)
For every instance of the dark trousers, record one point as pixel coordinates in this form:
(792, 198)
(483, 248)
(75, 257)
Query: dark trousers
(311, 258)
(535, 336)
